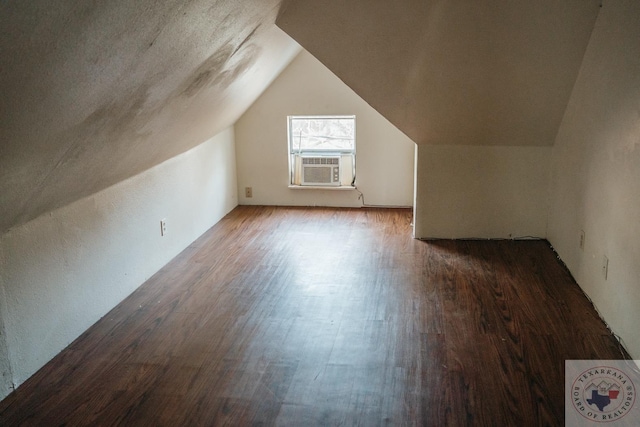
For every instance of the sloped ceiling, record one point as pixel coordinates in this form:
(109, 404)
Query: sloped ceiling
(480, 72)
(93, 93)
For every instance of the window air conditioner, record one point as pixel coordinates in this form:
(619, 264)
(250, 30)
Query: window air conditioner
(321, 171)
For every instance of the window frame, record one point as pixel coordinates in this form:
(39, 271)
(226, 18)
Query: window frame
(343, 153)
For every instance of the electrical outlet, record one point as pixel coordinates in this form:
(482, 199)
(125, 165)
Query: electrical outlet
(163, 227)
(582, 237)
(605, 267)
(248, 192)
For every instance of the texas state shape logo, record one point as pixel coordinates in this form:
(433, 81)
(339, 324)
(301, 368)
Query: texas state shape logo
(603, 394)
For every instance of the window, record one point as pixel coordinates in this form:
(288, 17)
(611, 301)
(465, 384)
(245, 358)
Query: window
(322, 150)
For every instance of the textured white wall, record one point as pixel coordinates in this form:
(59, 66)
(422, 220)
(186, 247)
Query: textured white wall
(64, 270)
(384, 154)
(596, 172)
(481, 192)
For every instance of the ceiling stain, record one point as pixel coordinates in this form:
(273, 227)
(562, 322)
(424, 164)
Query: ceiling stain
(246, 39)
(223, 67)
(99, 132)
(240, 66)
(207, 71)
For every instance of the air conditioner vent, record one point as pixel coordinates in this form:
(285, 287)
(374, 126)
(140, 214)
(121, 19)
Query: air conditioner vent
(321, 171)
(320, 160)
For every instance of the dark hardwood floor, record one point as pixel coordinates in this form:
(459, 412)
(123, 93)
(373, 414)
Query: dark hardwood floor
(302, 317)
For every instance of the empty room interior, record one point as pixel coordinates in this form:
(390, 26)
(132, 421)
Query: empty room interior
(172, 251)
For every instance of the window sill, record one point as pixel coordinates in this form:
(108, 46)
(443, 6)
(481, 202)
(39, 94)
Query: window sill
(322, 187)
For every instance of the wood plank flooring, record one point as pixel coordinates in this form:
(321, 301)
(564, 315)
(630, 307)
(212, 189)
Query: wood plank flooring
(303, 317)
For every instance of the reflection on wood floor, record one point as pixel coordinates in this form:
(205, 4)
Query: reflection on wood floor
(293, 316)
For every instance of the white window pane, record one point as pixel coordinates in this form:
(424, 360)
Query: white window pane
(322, 133)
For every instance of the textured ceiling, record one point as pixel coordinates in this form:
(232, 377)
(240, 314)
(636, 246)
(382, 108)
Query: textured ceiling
(480, 72)
(96, 92)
